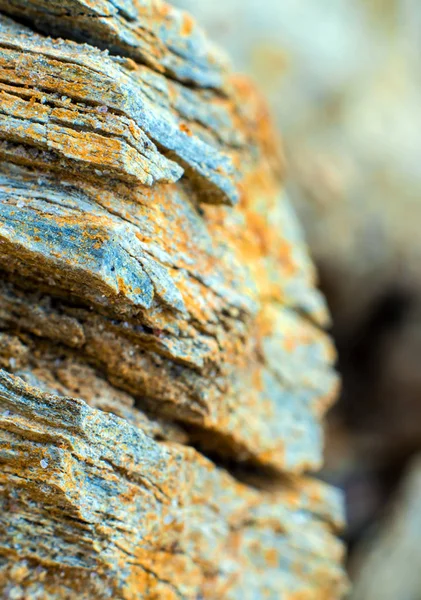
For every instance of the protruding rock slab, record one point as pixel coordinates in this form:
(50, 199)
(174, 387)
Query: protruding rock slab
(95, 507)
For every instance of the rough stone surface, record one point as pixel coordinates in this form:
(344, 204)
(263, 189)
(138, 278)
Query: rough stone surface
(164, 366)
(91, 505)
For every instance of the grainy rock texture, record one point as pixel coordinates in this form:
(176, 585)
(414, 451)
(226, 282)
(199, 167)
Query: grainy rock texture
(94, 506)
(156, 307)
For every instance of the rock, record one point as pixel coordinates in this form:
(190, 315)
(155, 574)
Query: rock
(386, 563)
(165, 369)
(343, 92)
(115, 514)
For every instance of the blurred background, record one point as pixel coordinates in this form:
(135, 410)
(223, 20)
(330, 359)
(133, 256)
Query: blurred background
(343, 78)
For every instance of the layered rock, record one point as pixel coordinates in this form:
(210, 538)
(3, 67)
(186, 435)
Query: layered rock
(94, 506)
(155, 297)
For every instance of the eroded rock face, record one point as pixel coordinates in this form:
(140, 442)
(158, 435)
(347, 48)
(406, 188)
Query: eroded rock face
(155, 297)
(102, 510)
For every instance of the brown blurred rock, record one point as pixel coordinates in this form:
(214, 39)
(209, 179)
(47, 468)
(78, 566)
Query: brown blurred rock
(387, 563)
(342, 81)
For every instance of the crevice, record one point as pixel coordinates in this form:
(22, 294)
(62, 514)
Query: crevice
(246, 470)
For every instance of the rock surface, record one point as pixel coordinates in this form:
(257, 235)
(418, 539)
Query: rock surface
(164, 366)
(94, 506)
(341, 80)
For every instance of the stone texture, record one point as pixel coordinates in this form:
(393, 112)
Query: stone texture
(203, 296)
(165, 369)
(92, 505)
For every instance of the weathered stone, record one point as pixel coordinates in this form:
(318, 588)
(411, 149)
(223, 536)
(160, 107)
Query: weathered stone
(79, 83)
(114, 514)
(146, 322)
(149, 31)
(176, 316)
